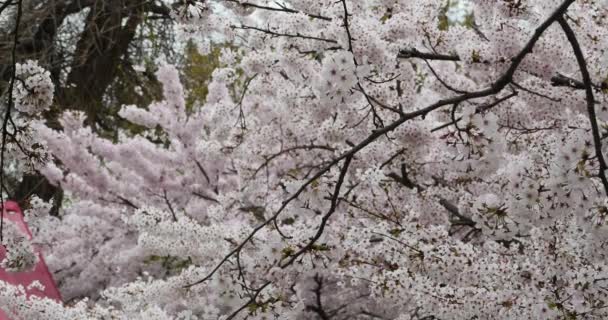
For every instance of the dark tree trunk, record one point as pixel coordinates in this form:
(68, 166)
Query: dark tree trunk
(99, 52)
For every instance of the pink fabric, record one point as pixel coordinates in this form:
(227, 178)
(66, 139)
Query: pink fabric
(40, 272)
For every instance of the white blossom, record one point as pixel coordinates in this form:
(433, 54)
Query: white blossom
(33, 91)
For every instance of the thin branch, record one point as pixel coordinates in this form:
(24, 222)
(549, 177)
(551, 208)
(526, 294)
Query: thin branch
(450, 207)
(595, 131)
(242, 119)
(414, 53)
(449, 87)
(561, 80)
(478, 110)
(206, 197)
(318, 308)
(169, 205)
(127, 202)
(334, 205)
(202, 170)
(286, 35)
(345, 21)
(538, 94)
(249, 302)
(246, 4)
(287, 150)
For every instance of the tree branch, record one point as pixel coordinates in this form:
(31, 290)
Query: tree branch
(595, 131)
(494, 88)
(325, 219)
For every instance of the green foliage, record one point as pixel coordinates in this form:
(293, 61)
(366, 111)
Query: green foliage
(288, 221)
(261, 306)
(129, 88)
(287, 252)
(170, 263)
(142, 88)
(320, 247)
(198, 70)
(442, 18)
(395, 232)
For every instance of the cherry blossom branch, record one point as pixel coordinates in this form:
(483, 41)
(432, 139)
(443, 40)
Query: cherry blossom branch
(446, 85)
(478, 110)
(532, 92)
(561, 80)
(346, 27)
(371, 99)
(450, 207)
(521, 130)
(288, 150)
(377, 119)
(378, 215)
(393, 157)
(202, 170)
(494, 88)
(168, 203)
(557, 14)
(383, 81)
(334, 205)
(595, 131)
(241, 118)
(318, 308)
(250, 301)
(506, 77)
(127, 202)
(206, 197)
(396, 240)
(286, 35)
(281, 8)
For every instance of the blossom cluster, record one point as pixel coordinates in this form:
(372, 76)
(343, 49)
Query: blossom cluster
(33, 90)
(352, 160)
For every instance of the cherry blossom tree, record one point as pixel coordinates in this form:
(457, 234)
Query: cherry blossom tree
(381, 159)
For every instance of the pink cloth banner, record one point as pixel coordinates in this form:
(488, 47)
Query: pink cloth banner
(13, 214)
